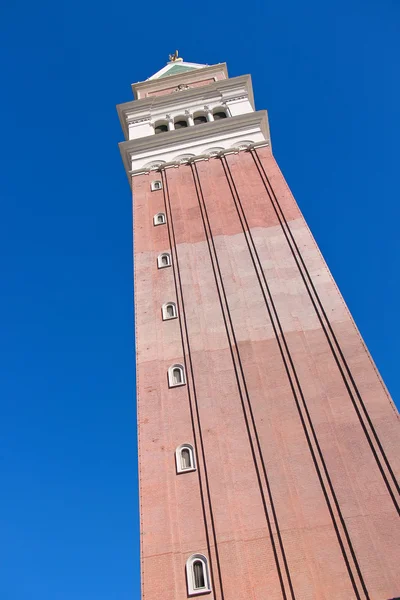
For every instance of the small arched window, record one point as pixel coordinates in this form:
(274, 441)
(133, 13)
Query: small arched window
(181, 124)
(163, 260)
(197, 575)
(169, 311)
(184, 456)
(219, 114)
(156, 185)
(176, 376)
(160, 128)
(159, 219)
(200, 119)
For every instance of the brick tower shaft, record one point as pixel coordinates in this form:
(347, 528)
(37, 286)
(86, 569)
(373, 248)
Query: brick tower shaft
(268, 443)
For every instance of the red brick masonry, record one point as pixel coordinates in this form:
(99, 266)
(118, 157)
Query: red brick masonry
(296, 438)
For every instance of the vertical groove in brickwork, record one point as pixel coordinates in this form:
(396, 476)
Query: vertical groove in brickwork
(305, 418)
(194, 412)
(344, 369)
(279, 553)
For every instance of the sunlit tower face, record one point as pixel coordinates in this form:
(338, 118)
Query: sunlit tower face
(268, 444)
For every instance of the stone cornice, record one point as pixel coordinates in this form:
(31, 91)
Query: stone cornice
(198, 158)
(226, 87)
(181, 140)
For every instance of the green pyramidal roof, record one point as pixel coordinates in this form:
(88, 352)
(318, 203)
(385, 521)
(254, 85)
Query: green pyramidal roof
(175, 70)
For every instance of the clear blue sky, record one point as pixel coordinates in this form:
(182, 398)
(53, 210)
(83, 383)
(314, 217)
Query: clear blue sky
(328, 74)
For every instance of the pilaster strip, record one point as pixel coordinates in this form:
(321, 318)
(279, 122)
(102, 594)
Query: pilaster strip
(193, 403)
(262, 478)
(344, 369)
(342, 534)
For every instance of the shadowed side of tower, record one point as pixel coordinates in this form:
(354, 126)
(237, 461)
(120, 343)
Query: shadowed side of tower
(268, 443)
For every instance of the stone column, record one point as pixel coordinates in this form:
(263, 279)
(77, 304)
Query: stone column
(189, 116)
(210, 116)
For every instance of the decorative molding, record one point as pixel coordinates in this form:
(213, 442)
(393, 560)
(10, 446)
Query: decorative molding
(232, 150)
(154, 166)
(200, 157)
(169, 165)
(235, 98)
(213, 152)
(183, 160)
(243, 145)
(258, 145)
(181, 87)
(134, 121)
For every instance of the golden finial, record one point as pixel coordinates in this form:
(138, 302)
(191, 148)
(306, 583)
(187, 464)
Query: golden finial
(175, 57)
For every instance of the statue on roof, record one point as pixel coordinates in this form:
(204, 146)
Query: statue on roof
(174, 57)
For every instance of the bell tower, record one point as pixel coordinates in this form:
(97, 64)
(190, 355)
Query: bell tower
(268, 444)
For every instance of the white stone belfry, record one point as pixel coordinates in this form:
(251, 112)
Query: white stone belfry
(197, 110)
